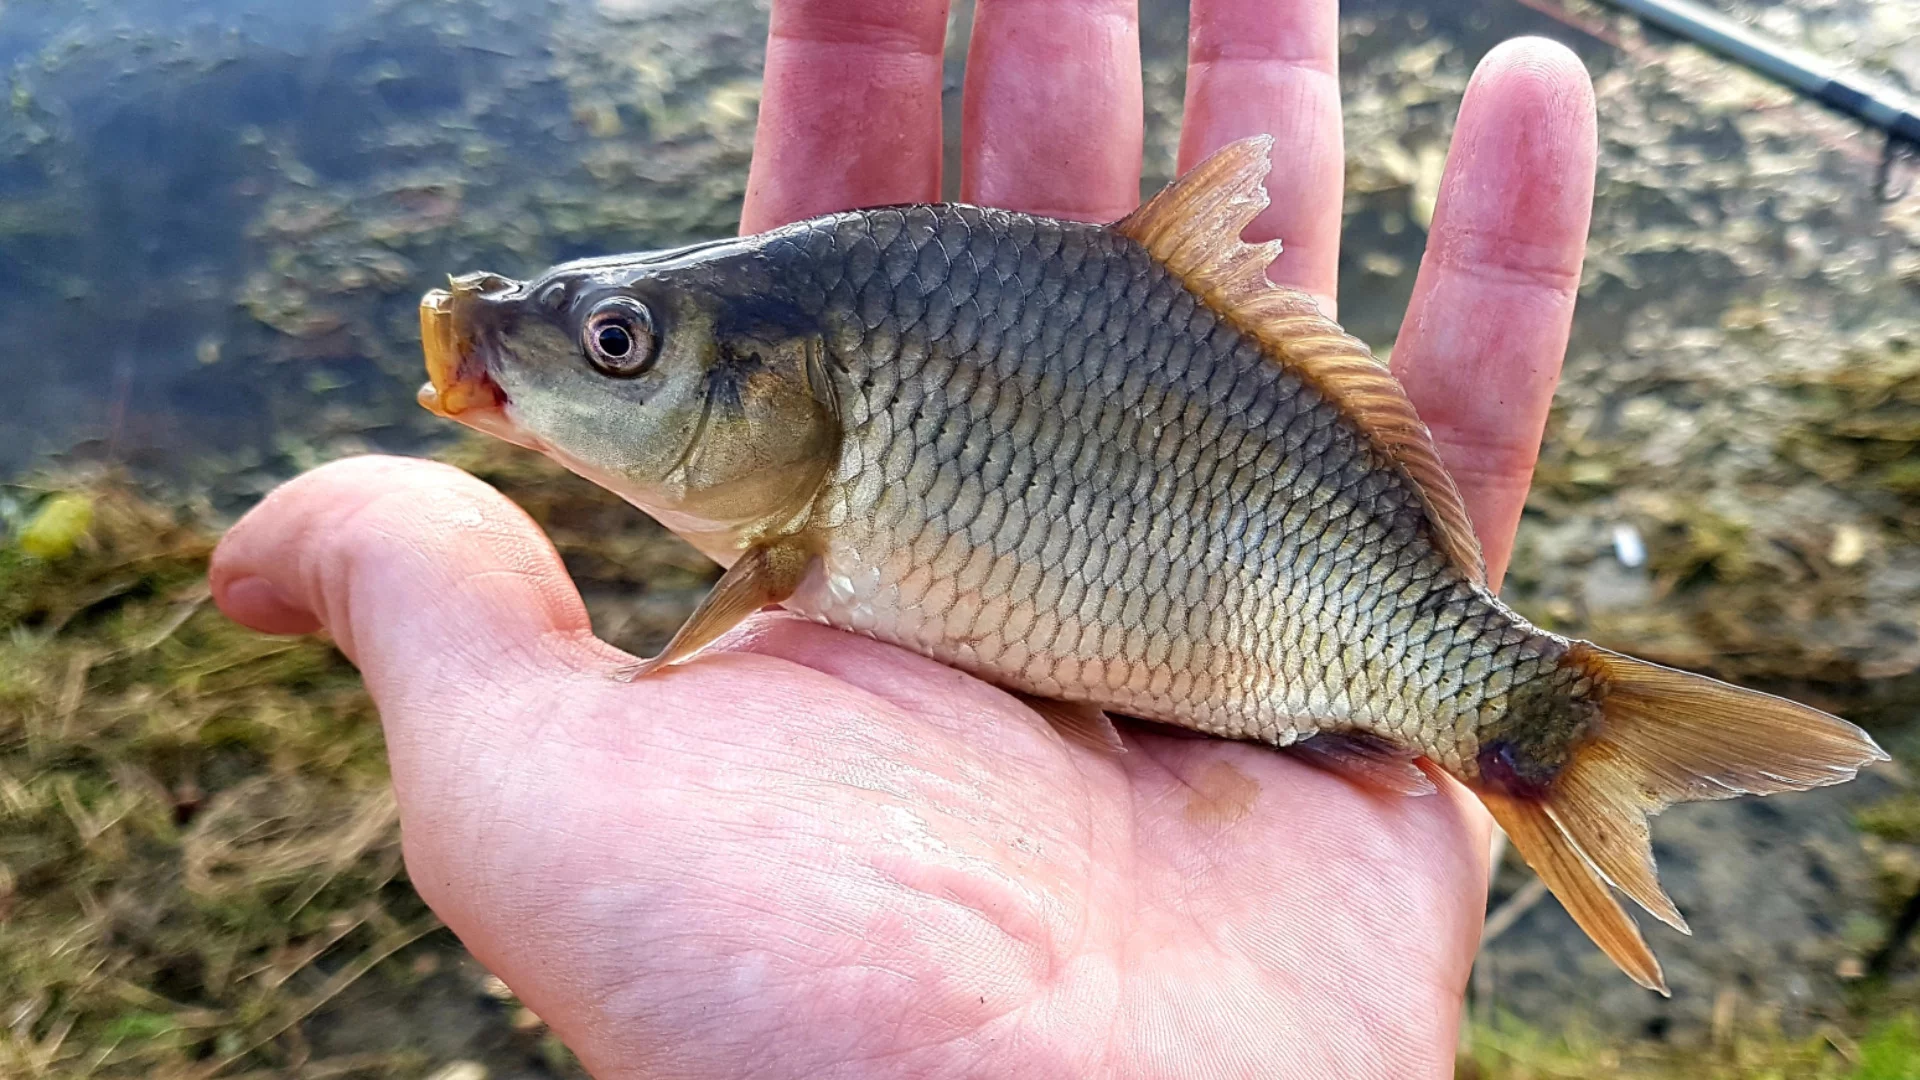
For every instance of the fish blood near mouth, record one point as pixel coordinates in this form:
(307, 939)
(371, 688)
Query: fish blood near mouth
(1115, 471)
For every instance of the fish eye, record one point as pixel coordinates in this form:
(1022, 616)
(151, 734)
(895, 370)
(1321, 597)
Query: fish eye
(618, 338)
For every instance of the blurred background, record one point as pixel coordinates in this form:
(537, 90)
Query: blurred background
(216, 217)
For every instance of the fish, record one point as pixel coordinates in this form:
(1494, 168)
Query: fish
(1115, 470)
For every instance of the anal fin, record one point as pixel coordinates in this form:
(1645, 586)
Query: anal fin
(1367, 761)
(1079, 723)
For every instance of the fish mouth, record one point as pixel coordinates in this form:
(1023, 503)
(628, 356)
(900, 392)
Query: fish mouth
(459, 385)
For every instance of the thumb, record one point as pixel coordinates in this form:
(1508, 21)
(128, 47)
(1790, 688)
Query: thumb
(429, 580)
(472, 641)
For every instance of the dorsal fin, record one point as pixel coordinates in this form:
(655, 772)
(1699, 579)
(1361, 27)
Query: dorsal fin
(1193, 227)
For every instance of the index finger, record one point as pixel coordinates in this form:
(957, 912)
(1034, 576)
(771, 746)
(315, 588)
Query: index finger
(849, 110)
(1053, 108)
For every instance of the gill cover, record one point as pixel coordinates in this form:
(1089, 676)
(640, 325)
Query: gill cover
(767, 430)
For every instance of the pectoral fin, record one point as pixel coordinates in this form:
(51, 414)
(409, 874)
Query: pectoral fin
(765, 574)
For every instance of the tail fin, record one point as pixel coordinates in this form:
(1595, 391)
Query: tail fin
(1663, 737)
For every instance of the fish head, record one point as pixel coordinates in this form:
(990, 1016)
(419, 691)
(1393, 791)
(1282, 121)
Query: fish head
(684, 387)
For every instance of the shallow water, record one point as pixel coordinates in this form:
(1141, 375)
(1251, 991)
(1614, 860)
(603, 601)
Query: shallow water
(214, 217)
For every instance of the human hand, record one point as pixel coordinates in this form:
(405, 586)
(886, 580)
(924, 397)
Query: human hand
(809, 854)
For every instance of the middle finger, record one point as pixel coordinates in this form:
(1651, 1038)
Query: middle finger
(1256, 67)
(1053, 121)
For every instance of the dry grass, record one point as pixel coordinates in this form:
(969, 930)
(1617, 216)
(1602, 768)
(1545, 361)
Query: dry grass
(197, 843)
(198, 846)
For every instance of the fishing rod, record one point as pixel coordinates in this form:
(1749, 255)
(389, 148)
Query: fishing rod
(1878, 106)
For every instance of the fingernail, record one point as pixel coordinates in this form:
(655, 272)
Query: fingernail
(260, 604)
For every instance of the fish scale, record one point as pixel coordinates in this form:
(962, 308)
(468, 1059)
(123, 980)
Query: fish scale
(1155, 451)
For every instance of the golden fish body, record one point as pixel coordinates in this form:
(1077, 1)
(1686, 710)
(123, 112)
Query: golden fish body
(1111, 468)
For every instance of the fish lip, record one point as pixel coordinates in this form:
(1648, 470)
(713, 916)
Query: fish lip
(495, 420)
(458, 377)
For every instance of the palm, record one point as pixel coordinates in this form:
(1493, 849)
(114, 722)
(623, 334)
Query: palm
(807, 854)
(871, 861)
